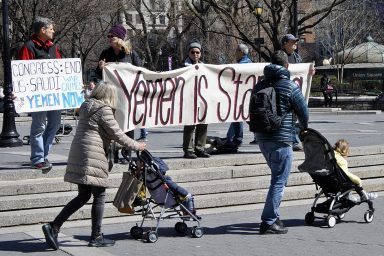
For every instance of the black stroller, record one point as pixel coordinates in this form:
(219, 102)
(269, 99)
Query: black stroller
(321, 164)
(163, 202)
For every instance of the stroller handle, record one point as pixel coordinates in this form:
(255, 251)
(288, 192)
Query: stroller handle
(141, 155)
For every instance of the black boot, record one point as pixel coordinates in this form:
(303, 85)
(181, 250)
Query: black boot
(100, 241)
(51, 234)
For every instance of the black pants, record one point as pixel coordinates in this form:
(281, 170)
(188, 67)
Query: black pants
(327, 99)
(85, 192)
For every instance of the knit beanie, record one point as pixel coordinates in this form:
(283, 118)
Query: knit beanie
(194, 45)
(118, 31)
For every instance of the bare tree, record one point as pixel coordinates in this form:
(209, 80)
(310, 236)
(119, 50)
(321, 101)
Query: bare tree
(240, 21)
(80, 24)
(157, 40)
(344, 29)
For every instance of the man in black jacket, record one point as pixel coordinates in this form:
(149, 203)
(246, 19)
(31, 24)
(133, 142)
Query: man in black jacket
(276, 146)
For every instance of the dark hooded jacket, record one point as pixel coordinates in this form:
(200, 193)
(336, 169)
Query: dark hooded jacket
(290, 101)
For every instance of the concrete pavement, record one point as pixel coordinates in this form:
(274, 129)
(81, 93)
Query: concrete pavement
(232, 231)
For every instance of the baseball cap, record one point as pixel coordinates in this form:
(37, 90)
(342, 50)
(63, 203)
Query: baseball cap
(289, 37)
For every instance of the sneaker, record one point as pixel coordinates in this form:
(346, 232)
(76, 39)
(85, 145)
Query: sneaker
(272, 229)
(368, 196)
(101, 241)
(43, 166)
(189, 155)
(51, 236)
(46, 161)
(253, 142)
(202, 154)
(279, 222)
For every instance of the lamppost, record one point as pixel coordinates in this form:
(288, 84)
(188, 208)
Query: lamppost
(295, 29)
(258, 12)
(9, 136)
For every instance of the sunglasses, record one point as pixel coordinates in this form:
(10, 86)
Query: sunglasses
(195, 52)
(110, 36)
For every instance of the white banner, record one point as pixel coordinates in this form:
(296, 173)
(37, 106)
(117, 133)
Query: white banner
(200, 93)
(48, 84)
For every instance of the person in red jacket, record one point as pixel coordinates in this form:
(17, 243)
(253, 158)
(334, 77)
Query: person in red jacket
(44, 123)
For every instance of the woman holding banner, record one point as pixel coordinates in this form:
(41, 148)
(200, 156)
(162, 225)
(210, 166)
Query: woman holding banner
(120, 50)
(198, 150)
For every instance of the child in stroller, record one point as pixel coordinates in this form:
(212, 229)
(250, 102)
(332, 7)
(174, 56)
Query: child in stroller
(341, 150)
(157, 177)
(321, 164)
(174, 200)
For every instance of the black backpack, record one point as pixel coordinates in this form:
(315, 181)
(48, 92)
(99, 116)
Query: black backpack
(264, 112)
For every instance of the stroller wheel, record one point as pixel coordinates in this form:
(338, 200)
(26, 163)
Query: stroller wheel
(27, 139)
(136, 232)
(197, 232)
(341, 216)
(152, 236)
(181, 228)
(368, 216)
(309, 218)
(331, 221)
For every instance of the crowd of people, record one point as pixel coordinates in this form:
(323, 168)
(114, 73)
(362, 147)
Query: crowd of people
(88, 163)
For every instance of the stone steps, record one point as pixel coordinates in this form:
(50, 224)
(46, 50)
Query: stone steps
(39, 215)
(29, 197)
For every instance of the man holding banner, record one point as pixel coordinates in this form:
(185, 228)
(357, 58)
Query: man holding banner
(235, 131)
(44, 123)
(198, 150)
(289, 46)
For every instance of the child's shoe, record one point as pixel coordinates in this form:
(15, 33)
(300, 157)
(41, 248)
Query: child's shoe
(197, 216)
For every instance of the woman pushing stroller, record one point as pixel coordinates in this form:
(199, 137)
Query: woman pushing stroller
(88, 165)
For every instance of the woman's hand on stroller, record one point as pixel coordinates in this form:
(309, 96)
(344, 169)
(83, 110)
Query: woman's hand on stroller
(142, 146)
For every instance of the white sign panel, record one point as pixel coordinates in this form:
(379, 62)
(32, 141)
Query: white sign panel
(48, 84)
(200, 93)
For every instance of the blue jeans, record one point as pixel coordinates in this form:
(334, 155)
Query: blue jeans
(175, 187)
(43, 130)
(143, 133)
(279, 157)
(235, 133)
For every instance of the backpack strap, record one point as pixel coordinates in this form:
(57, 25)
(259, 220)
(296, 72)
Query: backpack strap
(278, 100)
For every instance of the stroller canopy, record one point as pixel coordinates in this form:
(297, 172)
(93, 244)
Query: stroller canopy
(319, 155)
